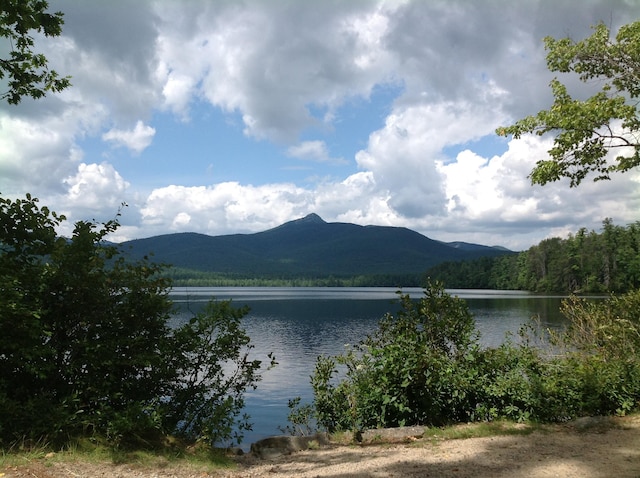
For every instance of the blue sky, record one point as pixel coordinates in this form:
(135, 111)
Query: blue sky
(222, 117)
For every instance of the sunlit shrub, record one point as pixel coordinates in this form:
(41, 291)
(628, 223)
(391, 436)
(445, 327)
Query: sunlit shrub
(425, 366)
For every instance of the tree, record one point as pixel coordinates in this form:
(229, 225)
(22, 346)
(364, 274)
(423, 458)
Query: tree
(587, 130)
(26, 70)
(86, 345)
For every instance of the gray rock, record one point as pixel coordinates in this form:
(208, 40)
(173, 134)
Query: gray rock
(276, 446)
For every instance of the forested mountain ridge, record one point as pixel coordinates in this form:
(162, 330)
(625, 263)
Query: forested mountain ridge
(307, 247)
(585, 262)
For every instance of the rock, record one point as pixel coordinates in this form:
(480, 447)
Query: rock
(276, 446)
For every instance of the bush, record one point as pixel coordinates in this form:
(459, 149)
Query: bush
(213, 371)
(86, 349)
(424, 366)
(414, 369)
(601, 350)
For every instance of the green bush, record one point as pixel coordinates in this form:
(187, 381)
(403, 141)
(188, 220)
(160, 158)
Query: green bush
(413, 369)
(425, 366)
(86, 349)
(213, 371)
(601, 351)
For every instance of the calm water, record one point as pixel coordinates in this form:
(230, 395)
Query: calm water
(298, 324)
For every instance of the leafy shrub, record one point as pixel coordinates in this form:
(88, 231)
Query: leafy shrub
(507, 380)
(413, 369)
(601, 351)
(301, 418)
(214, 370)
(424, 366)
(86, 349)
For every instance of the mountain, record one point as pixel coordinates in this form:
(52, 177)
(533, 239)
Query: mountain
(465, 246)
(307, 247)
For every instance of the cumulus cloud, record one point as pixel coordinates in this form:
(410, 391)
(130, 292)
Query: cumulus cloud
(35, 156)
(96, 187)
(253, 59)
(223, 208)
(494, 198)
(403, 155)
(313, 151)
(137, 139)
(109, 49)
(231, 207)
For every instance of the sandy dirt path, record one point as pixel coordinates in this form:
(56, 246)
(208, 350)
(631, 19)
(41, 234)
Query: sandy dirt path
(611, 450)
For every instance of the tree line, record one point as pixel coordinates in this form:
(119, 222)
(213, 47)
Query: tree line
(182, 277)
(585, 262)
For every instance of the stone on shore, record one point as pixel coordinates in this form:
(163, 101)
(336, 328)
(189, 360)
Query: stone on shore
(276, 446)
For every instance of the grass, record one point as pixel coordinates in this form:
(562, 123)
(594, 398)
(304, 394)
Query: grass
(86, 451)
(480, 430)
(505, 427)
(457, 432)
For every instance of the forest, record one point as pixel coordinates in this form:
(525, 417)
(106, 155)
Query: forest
(586, 262)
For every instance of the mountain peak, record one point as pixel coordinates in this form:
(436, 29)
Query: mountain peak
(312, 218)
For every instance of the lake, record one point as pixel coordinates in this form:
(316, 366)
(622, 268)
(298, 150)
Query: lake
(298, 324)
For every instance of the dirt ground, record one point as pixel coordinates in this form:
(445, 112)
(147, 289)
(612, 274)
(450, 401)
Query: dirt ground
(587, 449)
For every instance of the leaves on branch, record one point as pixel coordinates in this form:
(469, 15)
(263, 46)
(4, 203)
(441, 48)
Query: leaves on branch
(586, 132)
(27, 71)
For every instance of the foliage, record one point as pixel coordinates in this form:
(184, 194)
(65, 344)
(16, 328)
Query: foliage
(214, 370)
(601, 348)
(301, 418)
(587, 262)
(587, 130)
(86, 349)
(425, 367)
(412, 370)
(484, 273)
(26, 70)
(610, 329)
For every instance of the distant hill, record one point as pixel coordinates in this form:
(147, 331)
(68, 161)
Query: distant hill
(308, 247)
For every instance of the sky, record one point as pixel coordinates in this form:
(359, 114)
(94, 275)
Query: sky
(224, 117)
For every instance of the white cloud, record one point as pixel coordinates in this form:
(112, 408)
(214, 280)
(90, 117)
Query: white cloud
(230, 207)
(223, 208)
(494, 198)
(35, 155)
(137, 139)
(272, 62)
(313, 151)
(96, 189)
(403, 155)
